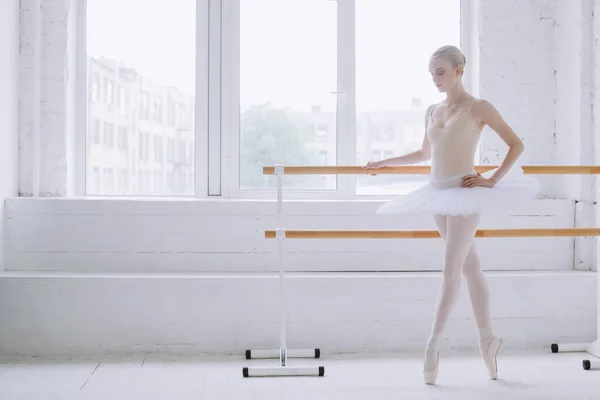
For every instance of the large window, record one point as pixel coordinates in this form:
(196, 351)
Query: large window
(141, 78)
(194, 97)
(287, 82)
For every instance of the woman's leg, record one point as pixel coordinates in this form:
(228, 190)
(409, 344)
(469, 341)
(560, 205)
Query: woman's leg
(476, 283)
(479, 297)
(478, 294)
(458, 233)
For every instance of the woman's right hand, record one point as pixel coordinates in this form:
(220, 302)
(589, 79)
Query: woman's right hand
(374, 165)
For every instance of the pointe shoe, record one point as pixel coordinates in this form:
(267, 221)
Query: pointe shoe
(490, 356)
(430, 375)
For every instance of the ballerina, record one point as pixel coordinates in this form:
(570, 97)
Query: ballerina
(457, 195)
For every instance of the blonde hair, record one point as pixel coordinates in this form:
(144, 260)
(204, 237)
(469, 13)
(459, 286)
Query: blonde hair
(452, 53)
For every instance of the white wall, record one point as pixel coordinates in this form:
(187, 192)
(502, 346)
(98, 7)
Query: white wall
(518, 61)
(92, 314)
(77, 312)
(536, 66)
(574, 123)
(9, 70)
(46, 68)
(214, 236)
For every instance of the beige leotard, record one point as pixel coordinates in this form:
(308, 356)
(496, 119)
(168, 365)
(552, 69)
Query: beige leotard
(453, 147)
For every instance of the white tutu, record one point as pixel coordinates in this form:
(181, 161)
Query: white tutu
(448, 198)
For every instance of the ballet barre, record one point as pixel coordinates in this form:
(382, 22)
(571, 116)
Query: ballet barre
(424, 169)
(428, 234)
(280, 233)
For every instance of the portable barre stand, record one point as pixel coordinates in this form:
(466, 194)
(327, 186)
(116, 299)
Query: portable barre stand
(280, 233)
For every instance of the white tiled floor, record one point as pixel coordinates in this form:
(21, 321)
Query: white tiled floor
(523, 375)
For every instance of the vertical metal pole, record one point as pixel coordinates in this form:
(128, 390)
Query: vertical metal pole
(279, 171)
(282, 369)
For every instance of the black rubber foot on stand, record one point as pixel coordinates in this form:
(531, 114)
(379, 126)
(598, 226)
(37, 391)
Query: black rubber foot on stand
(248, 354)
(587, 364)
(554, 347)
(317, 353)
(321, 371)
(245, 372)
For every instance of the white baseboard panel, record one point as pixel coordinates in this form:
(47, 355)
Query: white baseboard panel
(47, 314)
(78, 235)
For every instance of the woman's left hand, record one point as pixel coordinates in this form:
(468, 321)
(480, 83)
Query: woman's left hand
(470, 181)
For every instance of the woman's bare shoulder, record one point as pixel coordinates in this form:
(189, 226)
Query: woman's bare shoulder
(485, 113)
(428, 111)
(482, 106)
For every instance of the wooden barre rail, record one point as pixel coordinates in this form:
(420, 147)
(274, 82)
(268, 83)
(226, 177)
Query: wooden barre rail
(429, 234)
(424, 169)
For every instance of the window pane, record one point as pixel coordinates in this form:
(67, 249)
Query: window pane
(141, 84)
(287, 76)
(394, 40)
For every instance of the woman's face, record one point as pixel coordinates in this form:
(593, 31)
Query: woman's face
(443, 74)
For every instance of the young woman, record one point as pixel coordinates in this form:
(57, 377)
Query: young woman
(457, 196)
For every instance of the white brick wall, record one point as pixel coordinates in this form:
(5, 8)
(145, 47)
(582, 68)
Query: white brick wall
(536, 67)
(574, 38)
(578, 68)
(43, 32)
(9, 69)
(517, 69)
(28, 85)
(53, 91)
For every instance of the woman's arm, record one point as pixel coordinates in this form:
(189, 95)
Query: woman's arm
(488, 114)
(417, 156)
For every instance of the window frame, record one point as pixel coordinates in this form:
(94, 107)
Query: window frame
(83, 89)
(217, 102)
(346, 134)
